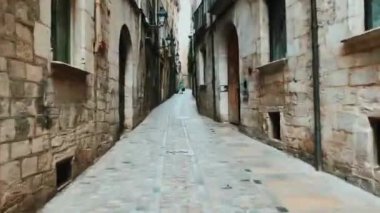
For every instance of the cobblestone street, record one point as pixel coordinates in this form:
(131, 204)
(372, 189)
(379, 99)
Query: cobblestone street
(179, 161)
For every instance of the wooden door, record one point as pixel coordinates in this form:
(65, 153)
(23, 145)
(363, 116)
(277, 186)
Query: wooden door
(233, 79)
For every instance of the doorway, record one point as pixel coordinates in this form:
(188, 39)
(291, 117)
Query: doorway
(233, 77)
(124, 46)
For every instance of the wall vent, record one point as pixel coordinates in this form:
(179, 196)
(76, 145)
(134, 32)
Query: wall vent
(375, 124)
(63, 172)
(275, 124)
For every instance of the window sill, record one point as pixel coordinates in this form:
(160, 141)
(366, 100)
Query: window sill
(363, 42)
(274, 66)
(203, 87)
(70, 83)
(63, 186)
(59, 66)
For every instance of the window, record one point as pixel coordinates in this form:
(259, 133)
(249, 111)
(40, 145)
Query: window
(275, 121)
(372, 14)
(61, 25)
(375, 124)
(277, 29)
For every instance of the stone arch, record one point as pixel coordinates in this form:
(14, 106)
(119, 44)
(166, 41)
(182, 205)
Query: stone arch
(125, 46)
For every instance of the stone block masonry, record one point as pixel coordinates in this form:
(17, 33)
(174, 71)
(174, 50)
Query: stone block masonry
(50, 111)
(349, 83)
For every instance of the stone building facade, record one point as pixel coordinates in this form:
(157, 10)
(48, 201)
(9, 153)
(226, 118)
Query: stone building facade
(295, 74)
(169, 48)
(70, 82)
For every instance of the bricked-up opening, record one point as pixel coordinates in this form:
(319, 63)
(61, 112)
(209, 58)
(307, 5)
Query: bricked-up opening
(275, 124)
(63, 172)
(375, 124)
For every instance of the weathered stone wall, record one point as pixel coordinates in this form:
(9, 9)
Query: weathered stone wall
(136, 77)
(286, 89)
(349, 94)
(349, 83)
(205, 90)
(49, 113)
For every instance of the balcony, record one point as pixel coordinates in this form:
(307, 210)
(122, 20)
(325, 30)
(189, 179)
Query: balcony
(200, 19)
(217, 7)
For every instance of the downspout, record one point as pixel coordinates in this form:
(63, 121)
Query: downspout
(98, 26)
(195, 70)
(157, 54)
(213, 68)
(139, 83)
(316, 86)
(98, 34)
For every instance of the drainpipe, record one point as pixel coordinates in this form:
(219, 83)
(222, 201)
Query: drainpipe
(213, 68)
(98, 25)
(316, 86)
(156, 56)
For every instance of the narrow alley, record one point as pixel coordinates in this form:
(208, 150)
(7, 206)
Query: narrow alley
(179, 161)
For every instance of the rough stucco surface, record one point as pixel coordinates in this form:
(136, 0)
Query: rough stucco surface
(47, 115)
(349, 84)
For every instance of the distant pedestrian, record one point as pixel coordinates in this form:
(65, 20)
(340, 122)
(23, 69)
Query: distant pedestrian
(181, 87)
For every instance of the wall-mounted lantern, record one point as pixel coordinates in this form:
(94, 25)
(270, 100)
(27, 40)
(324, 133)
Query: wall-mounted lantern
(170, 38)
(162, 15)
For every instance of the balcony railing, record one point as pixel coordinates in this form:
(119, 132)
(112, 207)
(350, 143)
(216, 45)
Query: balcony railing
(200, 18)
(217, 7)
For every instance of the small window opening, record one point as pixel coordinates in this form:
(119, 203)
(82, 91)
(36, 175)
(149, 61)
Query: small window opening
(275, 124)
(63, 171)
(375, 124)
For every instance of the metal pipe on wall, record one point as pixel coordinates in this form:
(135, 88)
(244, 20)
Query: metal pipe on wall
(316, 86)
(213, 70)
(98, 25)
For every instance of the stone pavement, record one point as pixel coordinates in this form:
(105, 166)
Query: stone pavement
(178, 161)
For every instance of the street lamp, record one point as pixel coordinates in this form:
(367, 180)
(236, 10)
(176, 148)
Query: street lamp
(170, 38)
(162, 15)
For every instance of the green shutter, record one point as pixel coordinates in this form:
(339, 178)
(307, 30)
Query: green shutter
(277, 29)
(375, 13)
(372, 14)
(61, 22)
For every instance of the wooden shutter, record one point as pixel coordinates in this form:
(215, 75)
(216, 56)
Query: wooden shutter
(61, 24)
